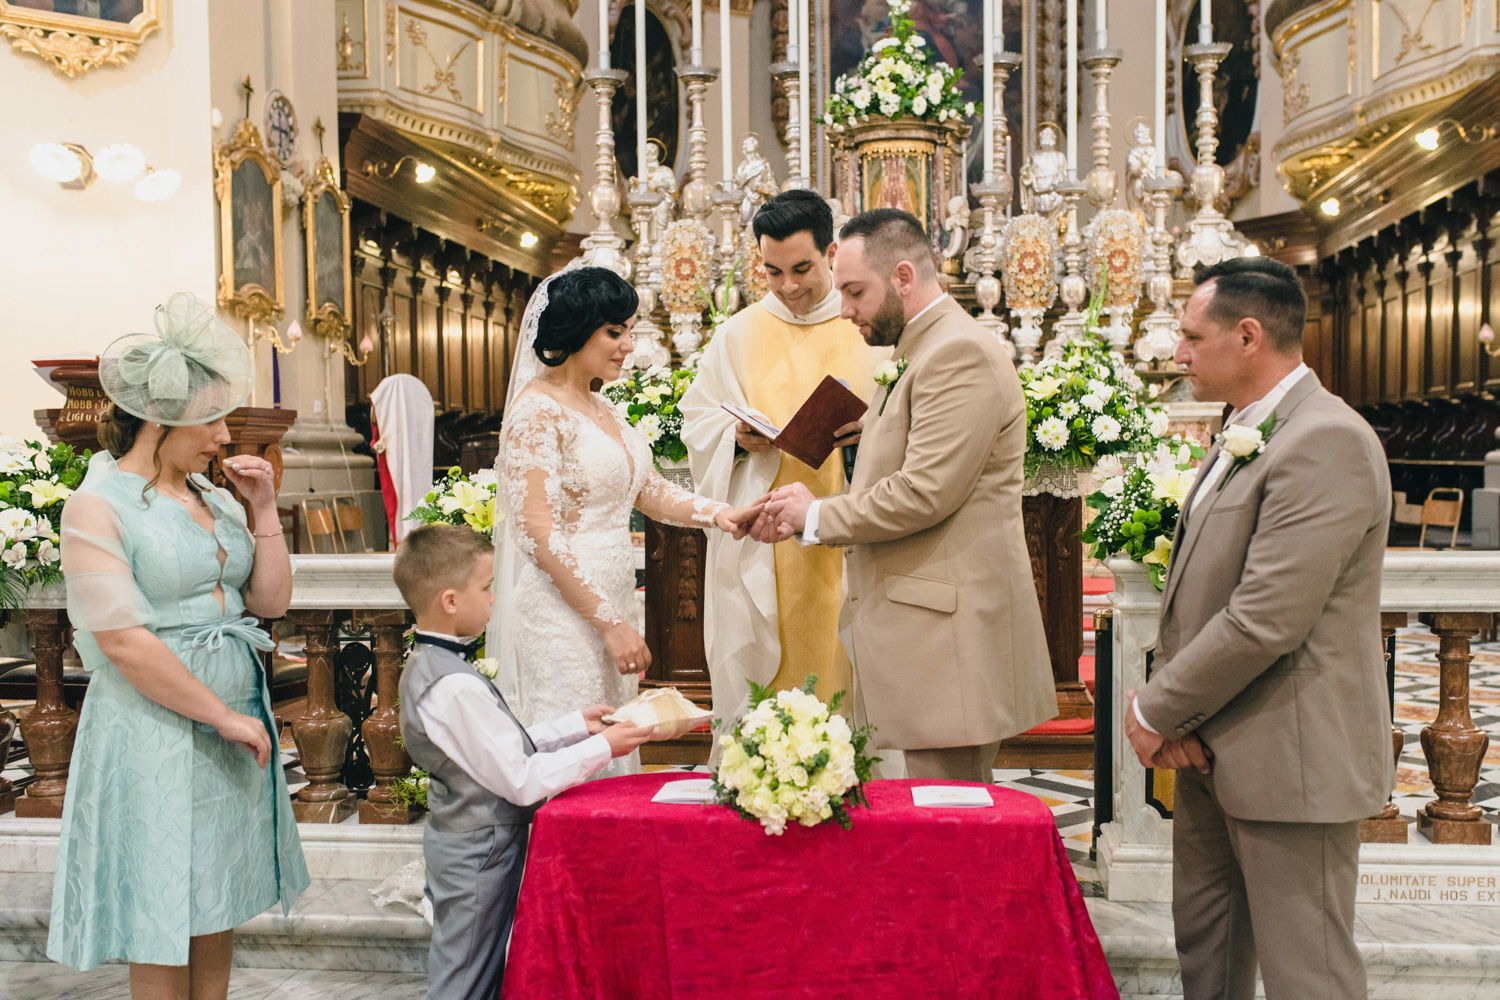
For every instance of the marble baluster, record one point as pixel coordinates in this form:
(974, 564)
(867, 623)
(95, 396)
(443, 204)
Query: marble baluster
(1453, 745)
(1388, 826)
(49, 728)
(382, 730)
(322, 731)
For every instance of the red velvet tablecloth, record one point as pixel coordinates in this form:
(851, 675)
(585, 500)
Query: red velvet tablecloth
(626, 899)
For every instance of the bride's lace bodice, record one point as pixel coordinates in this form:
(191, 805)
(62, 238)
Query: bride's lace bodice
(567, 488)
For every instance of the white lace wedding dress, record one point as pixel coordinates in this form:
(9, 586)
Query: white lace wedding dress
(568, 481)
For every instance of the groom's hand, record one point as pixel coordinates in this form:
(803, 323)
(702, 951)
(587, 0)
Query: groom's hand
(1142, 740)
(593, 718)
(788, 505)
(766, 529)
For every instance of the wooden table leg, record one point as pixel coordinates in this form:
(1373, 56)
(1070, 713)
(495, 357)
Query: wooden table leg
(322, 732)
(49, 728)
(1454, 746)
(382, 730)
(1388, 826)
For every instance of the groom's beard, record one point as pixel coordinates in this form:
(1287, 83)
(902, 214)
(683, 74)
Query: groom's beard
(888, 322)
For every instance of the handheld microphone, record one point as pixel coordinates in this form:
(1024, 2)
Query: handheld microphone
(849, 452)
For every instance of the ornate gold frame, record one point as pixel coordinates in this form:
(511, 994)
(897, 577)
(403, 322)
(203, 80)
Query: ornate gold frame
(330, 321)
(74, 44)
(250, 300)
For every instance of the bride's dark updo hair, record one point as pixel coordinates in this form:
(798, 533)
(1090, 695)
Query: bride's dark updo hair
(579, 302)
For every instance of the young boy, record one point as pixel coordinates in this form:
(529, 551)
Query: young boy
(488, 773)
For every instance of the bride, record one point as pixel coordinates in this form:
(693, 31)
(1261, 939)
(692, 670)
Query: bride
(571, 468)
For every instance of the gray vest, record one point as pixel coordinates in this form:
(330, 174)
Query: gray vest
(455, 801)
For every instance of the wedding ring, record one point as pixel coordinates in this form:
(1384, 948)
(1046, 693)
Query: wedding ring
(630, 665)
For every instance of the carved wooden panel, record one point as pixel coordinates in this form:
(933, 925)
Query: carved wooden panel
(675, 559)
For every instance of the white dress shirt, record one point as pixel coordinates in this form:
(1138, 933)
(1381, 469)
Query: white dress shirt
(809, 534)
(1251, 416)
(462, 719)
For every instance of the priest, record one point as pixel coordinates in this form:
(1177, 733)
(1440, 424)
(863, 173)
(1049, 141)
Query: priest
(771, 612)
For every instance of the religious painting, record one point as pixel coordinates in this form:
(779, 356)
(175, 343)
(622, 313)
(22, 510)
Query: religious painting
(325, 224)
(247, 183)
(954, 33)
(76, 36)
(896, 176)
(661, 90)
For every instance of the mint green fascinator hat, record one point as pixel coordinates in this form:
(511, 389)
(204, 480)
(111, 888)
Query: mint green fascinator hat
(193, 370)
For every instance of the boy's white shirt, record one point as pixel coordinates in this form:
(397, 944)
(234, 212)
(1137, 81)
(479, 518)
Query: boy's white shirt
(462, 719)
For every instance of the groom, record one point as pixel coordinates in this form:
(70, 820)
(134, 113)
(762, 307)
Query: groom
(1268, 692)
(941, 615)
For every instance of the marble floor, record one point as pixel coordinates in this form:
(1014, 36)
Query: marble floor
(41, 981)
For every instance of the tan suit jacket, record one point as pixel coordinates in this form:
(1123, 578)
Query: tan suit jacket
(941, 612)
(1269, 643)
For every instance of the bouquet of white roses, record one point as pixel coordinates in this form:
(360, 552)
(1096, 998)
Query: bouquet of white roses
(790, 758)
(35, 481)
(461, 499)
(1138, 505)
(898, 78)
(1083, 405)
(650, 399)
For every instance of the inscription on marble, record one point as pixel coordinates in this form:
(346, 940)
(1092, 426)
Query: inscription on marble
(1456, 887)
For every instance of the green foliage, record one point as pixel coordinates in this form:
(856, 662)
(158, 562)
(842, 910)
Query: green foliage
(35, 483)
(651, 399)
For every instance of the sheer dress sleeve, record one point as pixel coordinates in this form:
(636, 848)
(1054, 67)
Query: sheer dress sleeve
(101, 587)
(661, 501)
(545, 504)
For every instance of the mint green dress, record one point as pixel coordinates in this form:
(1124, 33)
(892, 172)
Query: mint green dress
(168, 830)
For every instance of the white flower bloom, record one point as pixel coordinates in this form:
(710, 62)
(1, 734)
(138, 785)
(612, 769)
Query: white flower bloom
(1101, 389)
(1093, 402)
(1113, 487)
(884, 43)
(1069, 410)
(886, 373)
(861, 98)
(918, 41)
(486, 477)
(919, 106)
(969, 108)
(1105, 428)
(15, 555)
(11, 462)
(42, 462)
(1109, 467)
(889, 104)
(1173, 485)
(488, 666)
(1052, 434)
(47, 553)
(1159, 422)
(17, 524)
(650, 428)
(1241, 441)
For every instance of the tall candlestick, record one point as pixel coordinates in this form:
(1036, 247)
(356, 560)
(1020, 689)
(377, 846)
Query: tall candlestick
(640, 93)
(1205, 21)
(999, 25)
(1160, 117)
(804, 103)
(1101, 24)
(726, 105)
(793, 46)
(989, 90)
(695, 57)
(1072, 84)
(604, 34)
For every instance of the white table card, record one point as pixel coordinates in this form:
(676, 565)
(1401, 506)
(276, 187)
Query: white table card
(688, 792)
(961, 796)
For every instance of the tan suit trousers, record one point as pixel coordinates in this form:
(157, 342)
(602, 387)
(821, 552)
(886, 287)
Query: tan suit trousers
(975, 763)
(1279, 892)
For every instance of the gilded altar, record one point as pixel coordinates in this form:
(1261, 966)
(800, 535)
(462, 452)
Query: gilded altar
(905, 163)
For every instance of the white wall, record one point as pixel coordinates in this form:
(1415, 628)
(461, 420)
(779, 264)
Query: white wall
(79, 268)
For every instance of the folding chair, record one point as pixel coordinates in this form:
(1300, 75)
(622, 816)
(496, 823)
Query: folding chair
(1441, 509)
(350, 520)
(322, 530)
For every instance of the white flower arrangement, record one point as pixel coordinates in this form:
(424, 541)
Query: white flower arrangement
(35, 483)
(1138, 504)
(898, 78)
(649, 398)
(1084, 405)
(790, 758)
(461, 499)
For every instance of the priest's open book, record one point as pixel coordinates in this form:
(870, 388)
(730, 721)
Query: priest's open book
(809, 436)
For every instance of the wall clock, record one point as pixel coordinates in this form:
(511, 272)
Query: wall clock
(281, 127)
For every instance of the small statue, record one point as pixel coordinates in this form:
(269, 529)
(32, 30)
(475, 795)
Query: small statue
(971, 261)
(754, 178)
(1045, 170)
(956, 227)
(1140, 164)
(840, 214)
(659, 178)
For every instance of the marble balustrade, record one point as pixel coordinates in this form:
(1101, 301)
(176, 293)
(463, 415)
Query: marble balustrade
(1455, 594)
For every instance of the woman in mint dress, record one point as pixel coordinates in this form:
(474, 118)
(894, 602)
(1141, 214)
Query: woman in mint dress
(177, 825)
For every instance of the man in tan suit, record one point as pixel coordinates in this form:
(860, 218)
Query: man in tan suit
(1268, 690)
(941, 612)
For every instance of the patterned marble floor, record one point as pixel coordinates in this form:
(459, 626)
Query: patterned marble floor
(44, 981)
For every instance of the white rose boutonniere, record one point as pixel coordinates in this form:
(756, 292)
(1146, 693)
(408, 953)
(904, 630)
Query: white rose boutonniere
(1243, 444)
(487, 666)
(888, 374)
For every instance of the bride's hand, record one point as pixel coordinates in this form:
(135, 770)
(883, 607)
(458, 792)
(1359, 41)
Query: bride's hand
(626, 649)
(736, 521)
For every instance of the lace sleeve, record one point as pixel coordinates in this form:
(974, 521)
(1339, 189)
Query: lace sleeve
(661, 501)
(102, 591)
(543, 505)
